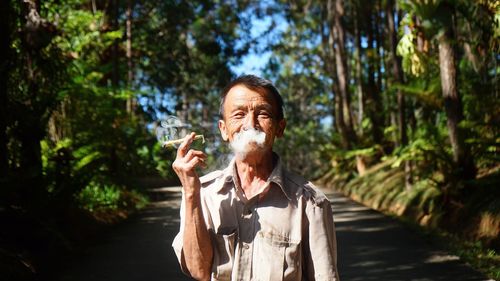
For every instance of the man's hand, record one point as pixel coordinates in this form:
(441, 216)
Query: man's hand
(185, 164)
(196, 246)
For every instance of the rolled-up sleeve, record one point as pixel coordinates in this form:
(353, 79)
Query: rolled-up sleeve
(321, 249)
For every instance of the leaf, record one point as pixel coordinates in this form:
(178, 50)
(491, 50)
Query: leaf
(87, 160)
(429, 95)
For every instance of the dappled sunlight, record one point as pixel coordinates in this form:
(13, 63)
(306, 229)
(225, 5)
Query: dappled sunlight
(351, 216)
(439, 258)
(166, 220)
(363, 229)
(161, 215)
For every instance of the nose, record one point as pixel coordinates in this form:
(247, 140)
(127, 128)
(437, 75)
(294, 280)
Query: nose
(250, 121)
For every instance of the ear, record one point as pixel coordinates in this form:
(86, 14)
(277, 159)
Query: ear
(281, 128)
(223, 130)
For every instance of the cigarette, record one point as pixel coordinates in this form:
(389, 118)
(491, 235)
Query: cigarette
(179, 141)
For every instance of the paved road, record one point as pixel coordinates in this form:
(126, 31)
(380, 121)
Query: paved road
(375, 247)
(370, 247)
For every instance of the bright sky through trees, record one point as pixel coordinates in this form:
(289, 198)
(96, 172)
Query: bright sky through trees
(258, 57)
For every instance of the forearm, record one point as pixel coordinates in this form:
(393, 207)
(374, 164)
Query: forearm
(197, 247)
(197, 250)
(322, 246)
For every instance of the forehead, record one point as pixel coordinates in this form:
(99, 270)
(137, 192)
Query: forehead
(241, 95)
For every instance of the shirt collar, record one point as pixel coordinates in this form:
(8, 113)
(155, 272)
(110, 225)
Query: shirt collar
(276, 177)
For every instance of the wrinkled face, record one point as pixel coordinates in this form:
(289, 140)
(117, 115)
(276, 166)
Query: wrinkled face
(245, 109)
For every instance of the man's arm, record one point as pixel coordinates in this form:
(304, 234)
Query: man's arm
(321, 254)
(197, 249)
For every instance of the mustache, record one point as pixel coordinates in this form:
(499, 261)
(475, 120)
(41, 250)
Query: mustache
(242, 140)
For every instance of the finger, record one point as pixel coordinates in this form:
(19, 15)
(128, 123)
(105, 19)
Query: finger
(183, 148)
(196, 161)
(194, 153)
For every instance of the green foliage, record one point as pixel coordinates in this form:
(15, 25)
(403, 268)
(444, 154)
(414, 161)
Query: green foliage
(97, 196)
(163, 159)
(101, 197)
(413, 61)
(425, 91)
(364, 152)
(302, 149)
(86, 157)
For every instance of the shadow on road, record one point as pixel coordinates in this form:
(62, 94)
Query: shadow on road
(374, 247)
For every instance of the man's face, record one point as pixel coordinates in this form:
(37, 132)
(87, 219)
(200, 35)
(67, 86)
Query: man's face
(245, 109)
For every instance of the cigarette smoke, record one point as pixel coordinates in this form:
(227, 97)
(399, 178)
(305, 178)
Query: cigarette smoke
(246, 141)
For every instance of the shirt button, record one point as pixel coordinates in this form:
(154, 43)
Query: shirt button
(246, 246)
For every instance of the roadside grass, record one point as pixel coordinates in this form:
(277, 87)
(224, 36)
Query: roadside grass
(110, 203)
(485, 259)
(474, 253)
(468, 228)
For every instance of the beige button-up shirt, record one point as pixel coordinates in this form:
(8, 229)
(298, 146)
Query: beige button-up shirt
(285, 233)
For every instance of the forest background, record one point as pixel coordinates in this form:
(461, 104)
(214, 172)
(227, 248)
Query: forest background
(395, 103)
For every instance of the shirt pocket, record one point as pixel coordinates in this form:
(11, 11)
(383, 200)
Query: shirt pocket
(223, 256)
(276, 258)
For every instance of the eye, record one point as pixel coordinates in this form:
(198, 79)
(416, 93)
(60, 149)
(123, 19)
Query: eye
(264, 115)
(239, 115)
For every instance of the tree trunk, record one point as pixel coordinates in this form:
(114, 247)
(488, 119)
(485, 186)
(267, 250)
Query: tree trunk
(360, 159)
(397, 74)
(5, 61)
(380, 62)
(474, 54)
(339, 120)
(373, 98)
(115, 81)
(330, 67)
(115, 72)
(326, 52)
(453, 105)
(379, 52)
(31, 127)
(342, 70)
(422, 42)
(130, 73)
(359, 70)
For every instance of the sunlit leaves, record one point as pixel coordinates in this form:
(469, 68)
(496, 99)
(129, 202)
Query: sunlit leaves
(98, 196)
(87, 159)
(412, 61)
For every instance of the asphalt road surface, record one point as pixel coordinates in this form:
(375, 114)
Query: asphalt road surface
(370, 247)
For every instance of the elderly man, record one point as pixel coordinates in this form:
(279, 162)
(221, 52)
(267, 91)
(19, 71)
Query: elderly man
(254, 220)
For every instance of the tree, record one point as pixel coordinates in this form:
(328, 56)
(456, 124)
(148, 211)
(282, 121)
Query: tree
(443, 15)
(374, 98)
(343, 105)
(358, 65)
(5, 64)
(398, 78)
(397, 71)
(452, 99)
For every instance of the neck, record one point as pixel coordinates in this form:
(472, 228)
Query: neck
(254, 170)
